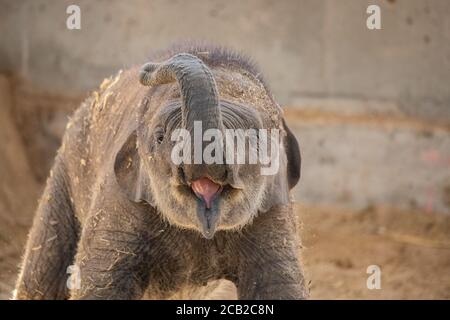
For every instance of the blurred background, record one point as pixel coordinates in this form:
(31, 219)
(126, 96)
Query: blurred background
(370, 108)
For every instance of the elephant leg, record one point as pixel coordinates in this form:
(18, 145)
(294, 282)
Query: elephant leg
(113, 254)
(269, 266)
(51, 244)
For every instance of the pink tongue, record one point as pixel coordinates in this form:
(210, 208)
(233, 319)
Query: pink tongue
(206, 189)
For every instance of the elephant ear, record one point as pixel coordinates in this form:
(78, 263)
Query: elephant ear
(294, 159)
(288, 175)
(130, 174)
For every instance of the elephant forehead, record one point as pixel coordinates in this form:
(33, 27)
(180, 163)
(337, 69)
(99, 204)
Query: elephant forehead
(233, 85)
(243, 88)
(234, 115)
(239, 85)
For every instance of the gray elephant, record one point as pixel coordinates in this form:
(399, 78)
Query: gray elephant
(137, 225)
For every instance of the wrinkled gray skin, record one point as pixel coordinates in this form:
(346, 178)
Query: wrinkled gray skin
(118, 208)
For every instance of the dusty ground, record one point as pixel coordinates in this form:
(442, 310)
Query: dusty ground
(411, 248)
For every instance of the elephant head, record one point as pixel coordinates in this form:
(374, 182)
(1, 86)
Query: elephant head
(183, 108)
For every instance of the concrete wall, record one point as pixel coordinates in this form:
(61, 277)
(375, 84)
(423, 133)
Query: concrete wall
(371, 108)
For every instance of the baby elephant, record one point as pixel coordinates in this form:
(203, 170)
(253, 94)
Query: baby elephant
(170, 177)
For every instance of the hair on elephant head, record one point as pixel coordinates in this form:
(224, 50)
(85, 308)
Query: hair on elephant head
(187, 110)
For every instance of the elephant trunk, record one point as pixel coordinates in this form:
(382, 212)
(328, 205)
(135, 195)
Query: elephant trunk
(200, 103)
(197, 85)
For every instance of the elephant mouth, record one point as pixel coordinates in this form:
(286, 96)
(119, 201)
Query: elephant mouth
(209, 195)
(206, 190)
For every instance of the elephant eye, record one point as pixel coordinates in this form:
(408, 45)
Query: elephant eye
(159, 135)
